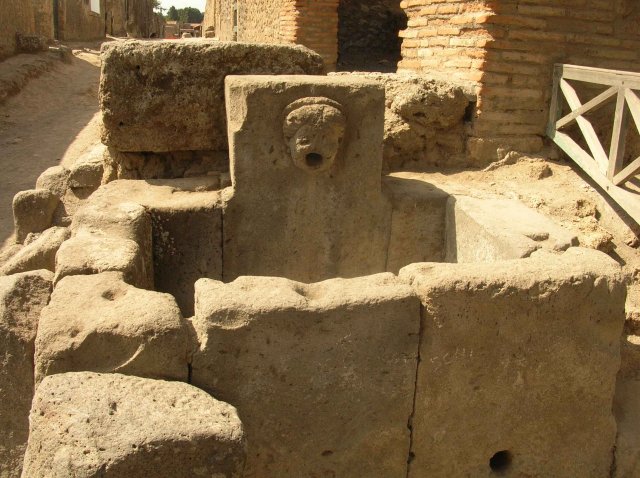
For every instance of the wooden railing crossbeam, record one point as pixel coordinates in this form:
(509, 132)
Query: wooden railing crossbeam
(592, 105)
(589, 133)
(618, 137)
(627, 173)
(633, 102)
(601, 77)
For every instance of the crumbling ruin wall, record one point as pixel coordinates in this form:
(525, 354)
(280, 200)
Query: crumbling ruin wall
(43, 18)
(508, 50)
(115, 18)
(225, 20)
(77, 22)
(139, 18)
(262, 21)
(15, 17)
(209, 20)
(368, 34)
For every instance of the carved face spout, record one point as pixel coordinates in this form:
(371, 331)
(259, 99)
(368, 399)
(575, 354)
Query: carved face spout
(314, 129)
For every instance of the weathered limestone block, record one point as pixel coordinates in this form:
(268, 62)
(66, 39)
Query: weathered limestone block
(118, 218)
(88, 170)
(86, 175)
(322, 374)
(22, 297)
(627, 410)
(114, 426)
(92, 253)
(170, 165)
(182, 107)
(99, 323)
(33, 211)
(186, 219)
(518, 366)
(39, 254)
(417, 222)
(55, 179)
(424, 121)
(30, 43)
(487, 230)
(109, 235)
(306, 161)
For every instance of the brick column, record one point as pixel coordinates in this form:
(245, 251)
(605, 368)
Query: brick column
(316, 27)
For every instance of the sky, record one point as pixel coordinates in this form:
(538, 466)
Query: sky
(199, 4)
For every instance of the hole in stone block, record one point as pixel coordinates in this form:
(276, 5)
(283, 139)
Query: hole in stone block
(501, 461)
(314, 160)
(470, 112)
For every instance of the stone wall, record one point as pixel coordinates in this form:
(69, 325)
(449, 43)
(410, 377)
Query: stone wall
(15, 17)
(115, 17)
(76, 21)
(225, 20)
(260, 21)
(508, 50)
(43, 18)
(313, 24)
(368, 35)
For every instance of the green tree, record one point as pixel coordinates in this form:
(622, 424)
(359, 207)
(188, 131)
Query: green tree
(172, 14)
(190, 15)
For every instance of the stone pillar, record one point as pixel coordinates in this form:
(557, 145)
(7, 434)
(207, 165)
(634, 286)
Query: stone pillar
(306, 161)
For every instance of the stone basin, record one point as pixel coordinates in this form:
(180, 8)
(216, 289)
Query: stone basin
(361, 324)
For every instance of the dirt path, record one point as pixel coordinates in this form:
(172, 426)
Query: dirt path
(52, 121)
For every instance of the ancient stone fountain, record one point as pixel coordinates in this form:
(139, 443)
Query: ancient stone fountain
(299, 314)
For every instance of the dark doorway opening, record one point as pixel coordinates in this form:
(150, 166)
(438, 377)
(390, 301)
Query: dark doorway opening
(368, 35)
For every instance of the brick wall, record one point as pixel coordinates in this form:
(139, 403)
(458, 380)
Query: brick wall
(316, 24)
(507, 48)
(15, 17)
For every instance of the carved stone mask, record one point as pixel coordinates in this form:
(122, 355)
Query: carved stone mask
(314, 129)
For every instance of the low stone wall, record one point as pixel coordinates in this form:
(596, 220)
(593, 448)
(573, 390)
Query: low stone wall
(169, 96)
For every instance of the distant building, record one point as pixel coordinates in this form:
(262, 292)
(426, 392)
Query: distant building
(76, 20)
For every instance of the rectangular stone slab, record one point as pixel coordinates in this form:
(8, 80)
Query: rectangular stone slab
(494, 229)
(22, 298)
(185, 230)
(518, 357)
(417, 223)
(290, 218)
(322, 375)
(169, 95)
